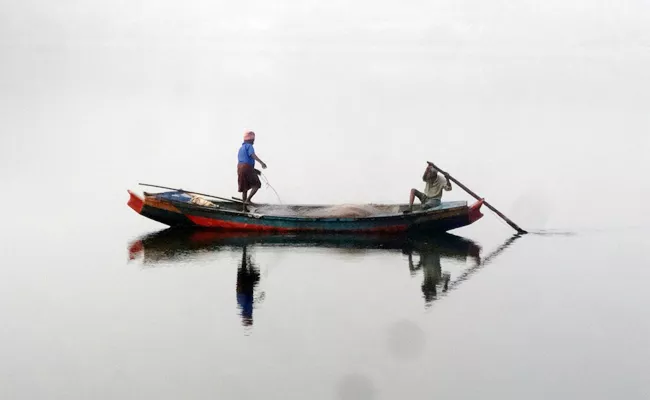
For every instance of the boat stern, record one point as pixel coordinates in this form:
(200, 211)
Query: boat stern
(475, 211)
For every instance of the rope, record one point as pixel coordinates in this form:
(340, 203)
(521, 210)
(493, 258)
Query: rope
(266, 180)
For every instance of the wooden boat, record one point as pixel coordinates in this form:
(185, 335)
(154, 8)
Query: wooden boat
(183, 209)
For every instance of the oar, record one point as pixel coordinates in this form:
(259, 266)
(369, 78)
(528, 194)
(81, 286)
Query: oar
(488, 205)
(190, 191)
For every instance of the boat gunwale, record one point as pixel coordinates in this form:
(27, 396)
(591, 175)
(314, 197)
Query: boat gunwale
(252, 215)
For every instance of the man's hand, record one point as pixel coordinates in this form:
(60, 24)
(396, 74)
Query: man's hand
(263, 165)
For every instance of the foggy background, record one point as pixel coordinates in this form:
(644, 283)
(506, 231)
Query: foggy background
(541, 107)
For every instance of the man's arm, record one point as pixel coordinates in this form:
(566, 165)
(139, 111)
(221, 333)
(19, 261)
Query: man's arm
(427, 174)
(256, 158)
(448, 184)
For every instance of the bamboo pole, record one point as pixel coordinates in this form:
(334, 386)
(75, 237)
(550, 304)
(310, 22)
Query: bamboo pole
(477, 197)
(189, 191)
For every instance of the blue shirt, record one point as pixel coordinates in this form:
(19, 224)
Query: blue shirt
(245, 155)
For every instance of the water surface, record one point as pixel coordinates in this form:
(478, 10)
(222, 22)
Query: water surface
(208, 315)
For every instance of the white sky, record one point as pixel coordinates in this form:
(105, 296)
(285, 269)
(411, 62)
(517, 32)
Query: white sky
(348, 98)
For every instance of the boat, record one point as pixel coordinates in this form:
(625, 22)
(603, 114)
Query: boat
(182, 209)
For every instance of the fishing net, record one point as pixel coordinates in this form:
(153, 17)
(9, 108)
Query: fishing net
(335, 211)
(201, 201)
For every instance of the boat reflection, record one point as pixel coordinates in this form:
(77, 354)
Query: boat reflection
(175, 245)
(425, 255)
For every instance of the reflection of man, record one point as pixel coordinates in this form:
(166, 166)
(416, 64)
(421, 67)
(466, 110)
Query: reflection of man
(433, 276)
(247, 278)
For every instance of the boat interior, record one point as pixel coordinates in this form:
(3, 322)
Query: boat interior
(305, 210)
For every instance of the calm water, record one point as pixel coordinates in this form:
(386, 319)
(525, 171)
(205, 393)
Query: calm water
(204, 315)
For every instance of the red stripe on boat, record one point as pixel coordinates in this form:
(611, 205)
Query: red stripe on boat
(216, 223)
(135, 202)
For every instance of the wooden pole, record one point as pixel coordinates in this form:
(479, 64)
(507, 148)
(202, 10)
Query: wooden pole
(488, 205)
(189, 191)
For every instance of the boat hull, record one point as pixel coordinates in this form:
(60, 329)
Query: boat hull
(184, 214)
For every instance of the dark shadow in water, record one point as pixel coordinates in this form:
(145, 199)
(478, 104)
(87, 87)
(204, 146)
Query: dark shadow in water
(482, 263)
(179, 246)
(430, 257)
(248, 275)
(176, 245)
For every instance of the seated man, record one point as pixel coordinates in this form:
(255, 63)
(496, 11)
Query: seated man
(433, 188)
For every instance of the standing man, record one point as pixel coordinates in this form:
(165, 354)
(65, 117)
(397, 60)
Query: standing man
(434, 185)
(247, 175)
